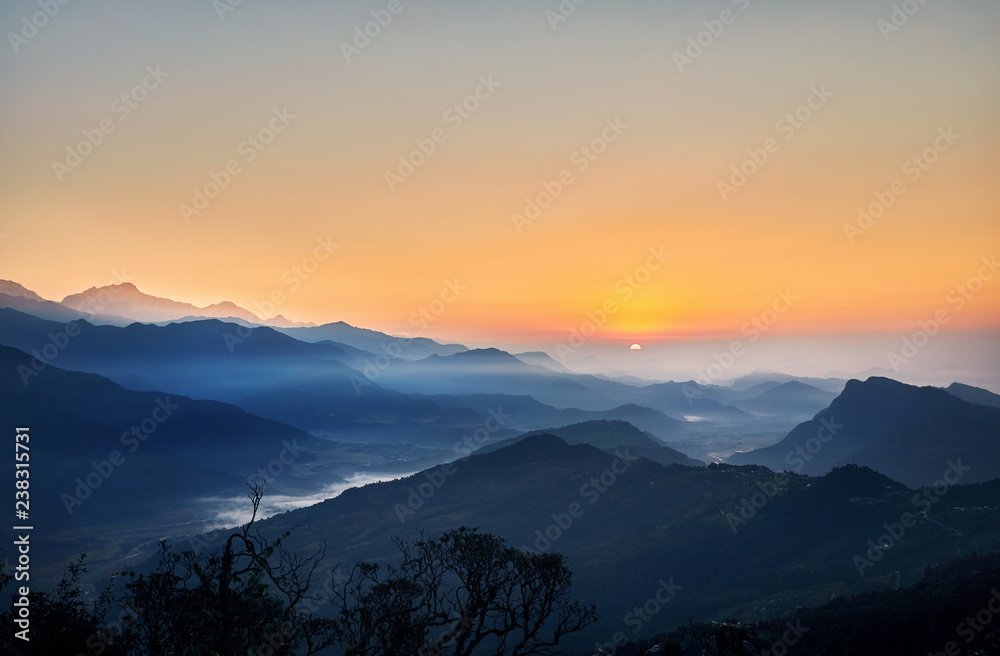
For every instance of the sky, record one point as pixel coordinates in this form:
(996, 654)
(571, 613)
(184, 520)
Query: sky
(506, 172)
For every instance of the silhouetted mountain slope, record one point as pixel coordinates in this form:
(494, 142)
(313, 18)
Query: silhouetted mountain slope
(909, 433)
(609, 436)
(733, 537)
(975, 395)
(171, 449)
(938, 615)
(409, 348)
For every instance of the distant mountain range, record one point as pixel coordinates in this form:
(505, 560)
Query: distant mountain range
(17, 297)
(770, 377)
(122, 304)
(975, 395)
(404, 348)
(11, 288)
(126, 300)
(791, 399)
(310, 386)
(608, 471)
(349, 393)
(909, 433)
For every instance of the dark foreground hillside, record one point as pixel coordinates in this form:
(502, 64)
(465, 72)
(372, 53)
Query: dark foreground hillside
(955, 609)
(739, 542)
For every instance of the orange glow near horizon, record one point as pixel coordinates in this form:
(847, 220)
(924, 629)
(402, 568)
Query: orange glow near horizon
(655, 185)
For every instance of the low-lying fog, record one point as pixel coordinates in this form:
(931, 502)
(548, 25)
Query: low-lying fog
(235, 511)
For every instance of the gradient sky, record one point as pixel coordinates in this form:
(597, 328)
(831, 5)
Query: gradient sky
(654, 186)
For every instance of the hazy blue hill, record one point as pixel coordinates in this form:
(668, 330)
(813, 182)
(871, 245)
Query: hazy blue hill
(192, 358)
(494, 371)
(542, 359)
(835, 385)
(527, 414)
(200, 449)
(909, 433)
(343, 391)
(411, 348)
(321, 386)
(609, 436)
(264, 372)
(647, 419)
(975, 395)
(753, 391)
(691, 398)
(791, 399)
(225, 431)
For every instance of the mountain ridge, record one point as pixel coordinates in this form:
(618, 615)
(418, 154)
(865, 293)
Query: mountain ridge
(909, 433)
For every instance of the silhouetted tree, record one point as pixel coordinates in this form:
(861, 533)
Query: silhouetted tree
(246, 599)
(63, 621)
(455, 594)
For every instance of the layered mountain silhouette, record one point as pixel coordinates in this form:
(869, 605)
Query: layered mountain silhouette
(908, 433)
(123, 303)
(976, 395)
(373, 341)
(835, 385)
(490, 370)
(589, 466)
(493, 371)
(310, 386)
(791, 399)
(691, 398)
(626, 524)
(527, 414)
(105, 455)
